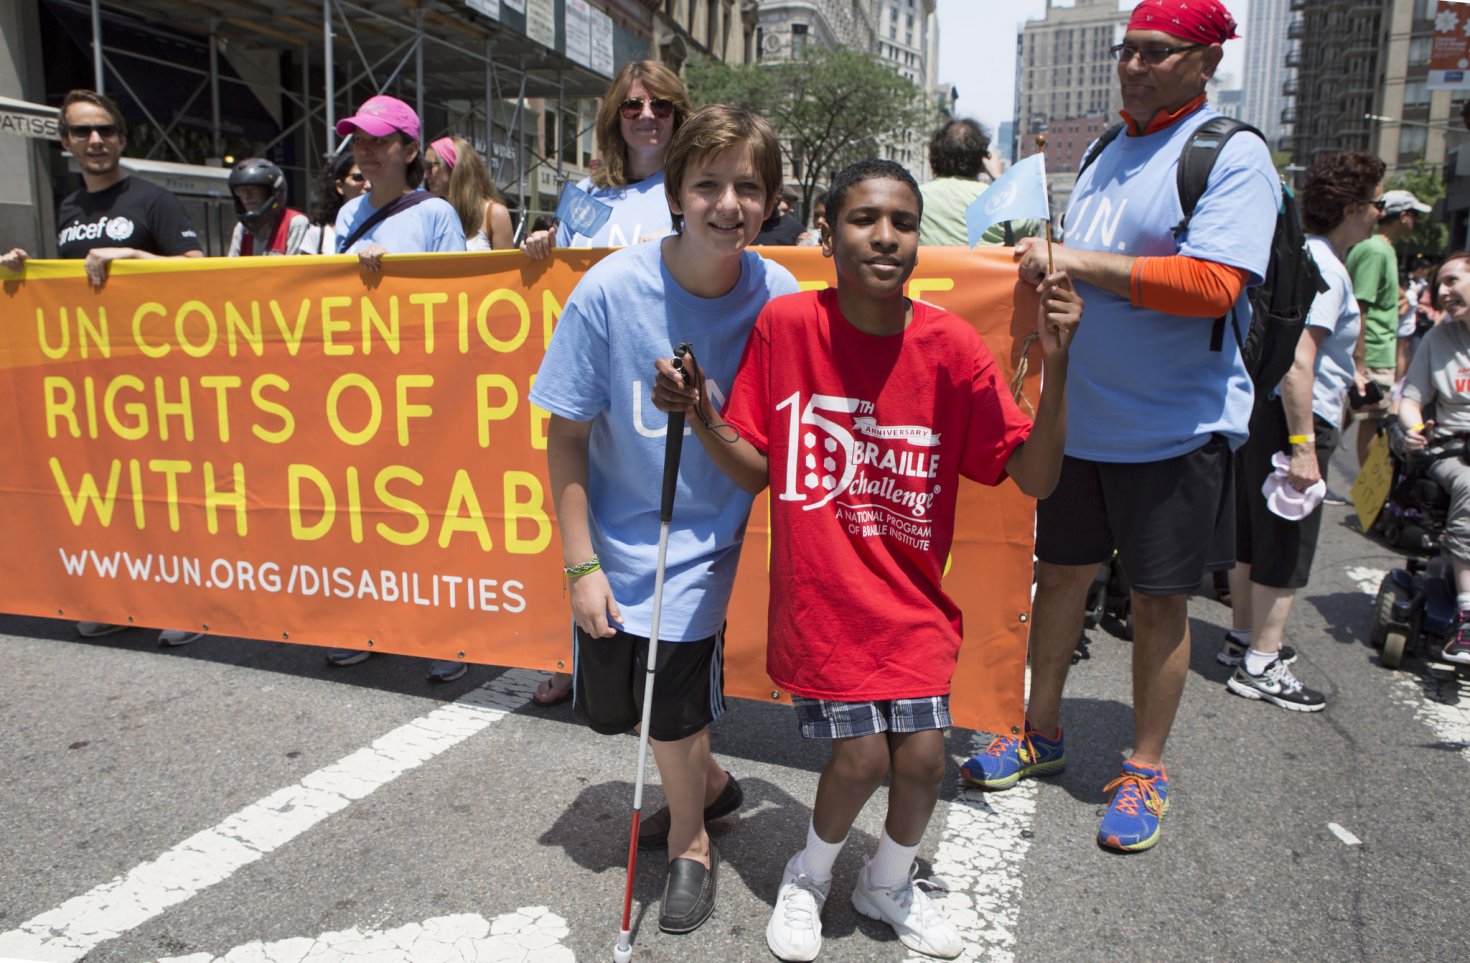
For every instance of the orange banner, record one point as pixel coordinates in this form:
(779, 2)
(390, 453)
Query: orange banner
(290, 449)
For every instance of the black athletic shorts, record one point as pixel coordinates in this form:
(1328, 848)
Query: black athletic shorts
(1279, 552)
(1171, 520)
(688, 687)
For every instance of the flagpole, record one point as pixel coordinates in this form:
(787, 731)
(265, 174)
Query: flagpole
(1041, 149)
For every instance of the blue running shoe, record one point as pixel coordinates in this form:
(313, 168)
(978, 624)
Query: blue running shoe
(1131, 823)
(1008, 760)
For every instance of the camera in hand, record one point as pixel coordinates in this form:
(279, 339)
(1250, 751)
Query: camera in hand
(1367, 398)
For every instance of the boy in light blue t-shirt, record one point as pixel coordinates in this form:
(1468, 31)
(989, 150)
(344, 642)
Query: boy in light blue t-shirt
(604, 450)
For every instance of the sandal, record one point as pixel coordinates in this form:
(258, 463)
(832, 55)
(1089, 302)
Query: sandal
(550, 692)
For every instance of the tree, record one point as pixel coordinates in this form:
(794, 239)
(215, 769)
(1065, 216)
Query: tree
(829, 108)
(1430, 237)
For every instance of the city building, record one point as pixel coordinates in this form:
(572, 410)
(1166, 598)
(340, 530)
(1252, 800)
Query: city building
(1268, 78)
(1066, 83)
(1003, 144)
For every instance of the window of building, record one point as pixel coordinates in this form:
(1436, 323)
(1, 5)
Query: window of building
(1419, 48)
(798, 39)
(1423, 9)
(1413, 140)
(1416, 92)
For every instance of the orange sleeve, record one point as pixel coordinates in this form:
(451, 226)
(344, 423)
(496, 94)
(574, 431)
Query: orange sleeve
(1186, 286)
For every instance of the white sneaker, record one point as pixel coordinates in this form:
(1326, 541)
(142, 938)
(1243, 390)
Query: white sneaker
(93, 630)
(795, 929)
(178, 637)
(913, 916)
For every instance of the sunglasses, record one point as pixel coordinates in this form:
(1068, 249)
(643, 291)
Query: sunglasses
(662, 107)
(1381, 204)
(1153, 56)
(85, 131)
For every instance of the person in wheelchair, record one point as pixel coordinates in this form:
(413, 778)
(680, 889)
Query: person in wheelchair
(1440, 374)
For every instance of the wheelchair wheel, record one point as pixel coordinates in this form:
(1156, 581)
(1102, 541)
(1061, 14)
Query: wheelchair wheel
(1394, 643)
(1389, 592)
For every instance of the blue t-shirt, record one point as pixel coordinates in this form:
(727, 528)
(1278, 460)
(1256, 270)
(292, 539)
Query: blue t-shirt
(1144, 385)
(625, 312)
(1336, 310)
(639, 211)
(428, 226)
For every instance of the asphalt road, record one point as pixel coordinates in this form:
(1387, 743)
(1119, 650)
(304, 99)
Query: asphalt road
(242, 800)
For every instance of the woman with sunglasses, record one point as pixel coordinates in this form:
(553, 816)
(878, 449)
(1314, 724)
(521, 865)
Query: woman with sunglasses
(340, 182)
(454, 170)
(642, 107)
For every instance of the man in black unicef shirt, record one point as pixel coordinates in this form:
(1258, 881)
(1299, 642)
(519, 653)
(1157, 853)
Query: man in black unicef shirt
(114, 215)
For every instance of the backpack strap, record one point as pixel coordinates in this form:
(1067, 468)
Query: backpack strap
(1103, 140)
(1197, 162)
(400, 203)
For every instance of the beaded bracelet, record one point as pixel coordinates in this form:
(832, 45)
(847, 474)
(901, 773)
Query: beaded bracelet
(583, 568)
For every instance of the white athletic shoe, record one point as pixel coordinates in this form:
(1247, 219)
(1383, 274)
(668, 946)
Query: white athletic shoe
(914, 917)
(178, 637)
(93, 630)
(795, 929)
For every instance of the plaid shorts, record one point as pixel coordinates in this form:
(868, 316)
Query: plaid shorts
(824, 719)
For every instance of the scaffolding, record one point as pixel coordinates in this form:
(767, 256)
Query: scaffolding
(474, 64)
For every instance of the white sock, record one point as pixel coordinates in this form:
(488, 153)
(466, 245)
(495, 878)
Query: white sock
(1462, 599)
(1256, 662)
(817, 858)
(890, 865)
(1243, 636)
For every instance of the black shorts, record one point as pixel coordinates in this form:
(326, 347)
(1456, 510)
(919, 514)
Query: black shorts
(688, 685)
(1171, 521)
(1279, 552)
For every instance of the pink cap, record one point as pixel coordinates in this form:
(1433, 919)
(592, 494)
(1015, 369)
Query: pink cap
(381, 116)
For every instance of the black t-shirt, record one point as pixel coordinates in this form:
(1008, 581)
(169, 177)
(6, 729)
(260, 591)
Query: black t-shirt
(131, 213)
(779, 229)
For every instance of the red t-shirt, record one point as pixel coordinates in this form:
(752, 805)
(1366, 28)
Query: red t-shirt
(867, 437)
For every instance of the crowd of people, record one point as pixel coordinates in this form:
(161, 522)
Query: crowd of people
(1170, 472)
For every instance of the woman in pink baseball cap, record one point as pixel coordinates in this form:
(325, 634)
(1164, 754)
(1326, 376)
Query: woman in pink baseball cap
(398, 216)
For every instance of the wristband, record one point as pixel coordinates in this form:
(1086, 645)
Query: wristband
(1298, 439)
(1418, 427)
(583, 568)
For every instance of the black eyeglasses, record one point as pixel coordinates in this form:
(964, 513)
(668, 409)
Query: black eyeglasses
(85, 131)
(632, 108)
(1381, 204)
(1153, 56)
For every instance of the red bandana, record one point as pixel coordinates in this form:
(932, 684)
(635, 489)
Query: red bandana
(1198, 21)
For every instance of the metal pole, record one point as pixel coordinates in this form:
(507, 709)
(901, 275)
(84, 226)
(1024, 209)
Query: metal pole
(561, 124)
(97, 83)
(521, 139)
(490, 109)
(306, 158)
(418, 64)
(329, 76)
(218, 139)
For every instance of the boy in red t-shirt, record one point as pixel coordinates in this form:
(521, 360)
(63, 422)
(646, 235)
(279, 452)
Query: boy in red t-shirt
(861, 409)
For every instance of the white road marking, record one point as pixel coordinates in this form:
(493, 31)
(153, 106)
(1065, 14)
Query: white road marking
(1442, 705)
(531, 933)
(1348, 838)
(71, 930)
(981, 849)
(1367, 579)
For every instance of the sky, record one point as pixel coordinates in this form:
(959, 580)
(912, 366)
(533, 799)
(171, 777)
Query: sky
(977, 51)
